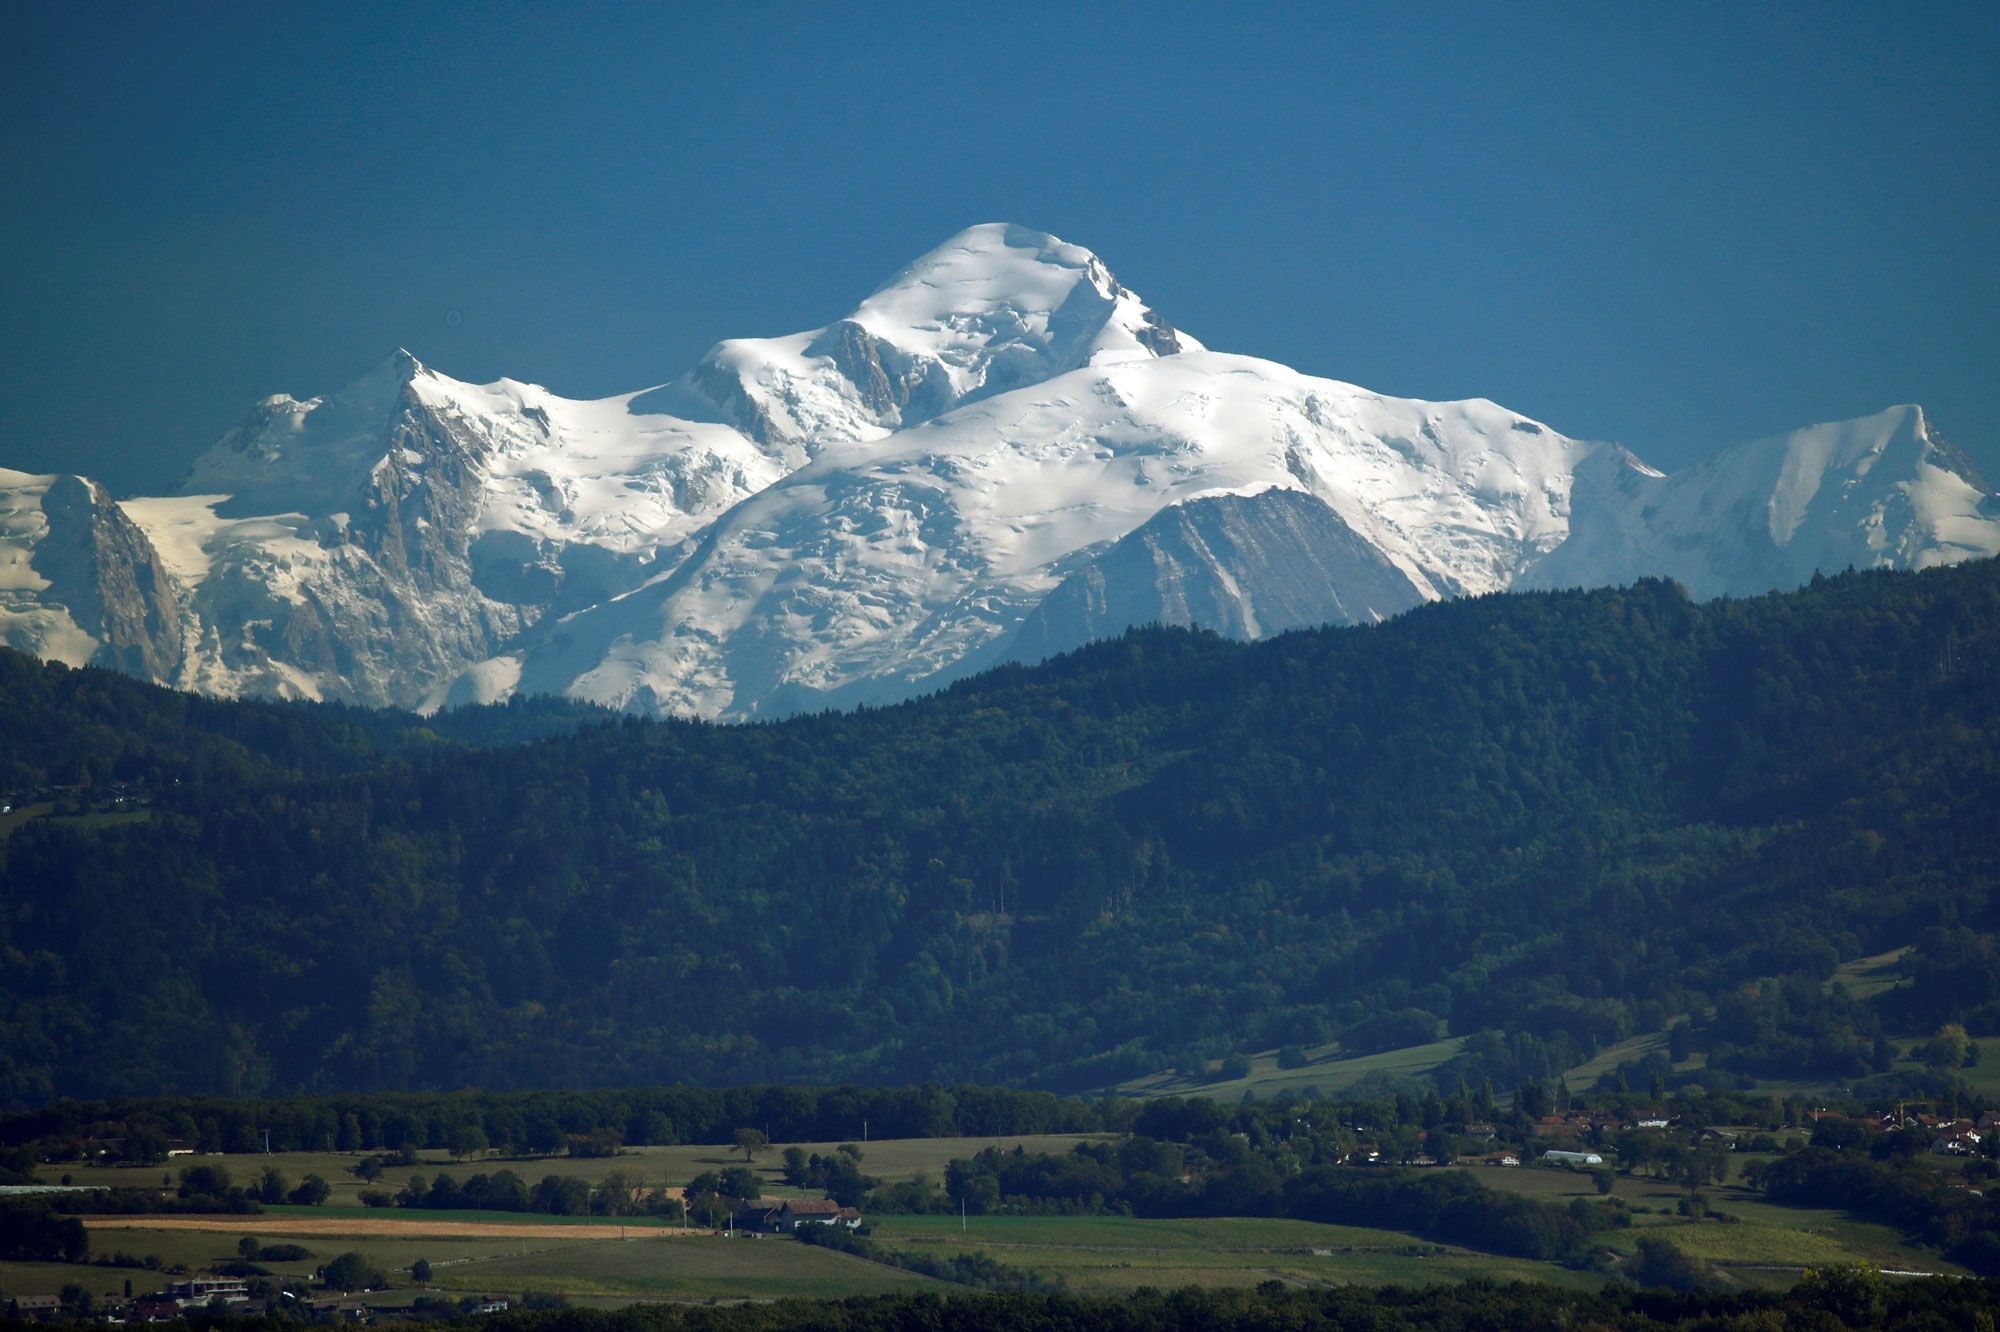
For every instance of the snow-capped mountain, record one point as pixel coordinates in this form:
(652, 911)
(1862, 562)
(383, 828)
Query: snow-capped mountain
(368, 545)
(892, 565)
(994, 308)
(999, 454)
(1881, 491)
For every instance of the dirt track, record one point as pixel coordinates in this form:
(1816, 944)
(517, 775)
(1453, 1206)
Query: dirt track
(368, 1227)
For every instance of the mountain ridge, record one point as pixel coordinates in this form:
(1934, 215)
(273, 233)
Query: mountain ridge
(868, 510)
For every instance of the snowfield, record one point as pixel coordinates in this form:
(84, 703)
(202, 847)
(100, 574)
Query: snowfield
(998, 454)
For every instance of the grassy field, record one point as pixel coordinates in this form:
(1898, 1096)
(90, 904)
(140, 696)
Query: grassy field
(50, 1278)
(1326, 1073)
(1111, 1255)
(200, 1250)
(699, 1268)
(475, 1252)
(1765, 1245)
(1606, 1061)
(890, 1161)
(1763, 1234)
(1868, 977)
(101, 819)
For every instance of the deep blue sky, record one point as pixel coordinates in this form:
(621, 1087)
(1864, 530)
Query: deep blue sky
(1679, 227)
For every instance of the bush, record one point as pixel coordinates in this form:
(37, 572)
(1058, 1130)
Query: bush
(351, 1271)
(32, 1232)
(1659, 1263)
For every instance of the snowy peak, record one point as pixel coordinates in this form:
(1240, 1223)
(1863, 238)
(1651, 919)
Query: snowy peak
(1823, 462)
(999, 453)
(311, 455)
(1879, 491)
(999, 291)
(996, 307)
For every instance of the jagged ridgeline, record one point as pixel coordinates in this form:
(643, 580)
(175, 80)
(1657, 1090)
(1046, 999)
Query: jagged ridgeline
(1564, 816)
(1000, 453)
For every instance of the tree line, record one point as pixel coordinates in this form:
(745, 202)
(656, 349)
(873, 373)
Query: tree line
(525, 1124)
(1542, 822)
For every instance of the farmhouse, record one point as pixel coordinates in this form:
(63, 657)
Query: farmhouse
(757, 1214)
(1956, 1141)
(783, 1214)
(811, 1212)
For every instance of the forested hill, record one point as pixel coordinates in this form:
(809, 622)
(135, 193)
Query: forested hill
(1561, 817)
(89, 729)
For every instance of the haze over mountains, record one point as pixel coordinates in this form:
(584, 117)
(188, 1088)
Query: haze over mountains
(1000, 454)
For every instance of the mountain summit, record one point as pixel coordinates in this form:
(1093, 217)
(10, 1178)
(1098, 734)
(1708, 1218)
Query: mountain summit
(994, 308)
(999, 453)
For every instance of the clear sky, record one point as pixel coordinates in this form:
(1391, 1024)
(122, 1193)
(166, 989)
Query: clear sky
(1675, 226)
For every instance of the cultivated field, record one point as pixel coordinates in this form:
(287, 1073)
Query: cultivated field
(397, 1225)
(702, 1268)
(583, 1257)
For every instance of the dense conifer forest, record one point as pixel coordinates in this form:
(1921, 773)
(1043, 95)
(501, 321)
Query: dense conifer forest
(1546, 821)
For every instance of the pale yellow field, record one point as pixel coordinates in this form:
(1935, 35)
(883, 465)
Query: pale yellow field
(385, 1226)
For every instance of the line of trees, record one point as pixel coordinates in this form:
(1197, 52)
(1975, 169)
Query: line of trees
(579, 1123)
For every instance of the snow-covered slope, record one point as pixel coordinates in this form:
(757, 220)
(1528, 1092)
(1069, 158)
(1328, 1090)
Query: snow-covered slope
(893, 565)
(995, 307)
(79, 582)
(1244, 565)
(372, 544)
(999, 453)
(1883, 491)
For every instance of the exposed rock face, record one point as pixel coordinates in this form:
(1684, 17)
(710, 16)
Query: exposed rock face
(896, 388)
(1244, 566)
(101, 567)
(376, 600)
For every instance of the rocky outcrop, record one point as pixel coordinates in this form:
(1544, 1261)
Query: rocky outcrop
(1246, 566)
(101, 568)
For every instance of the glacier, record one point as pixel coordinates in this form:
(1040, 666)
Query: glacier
(997, 455)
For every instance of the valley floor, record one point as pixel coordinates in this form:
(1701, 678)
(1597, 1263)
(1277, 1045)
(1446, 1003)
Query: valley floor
(604, 1259)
